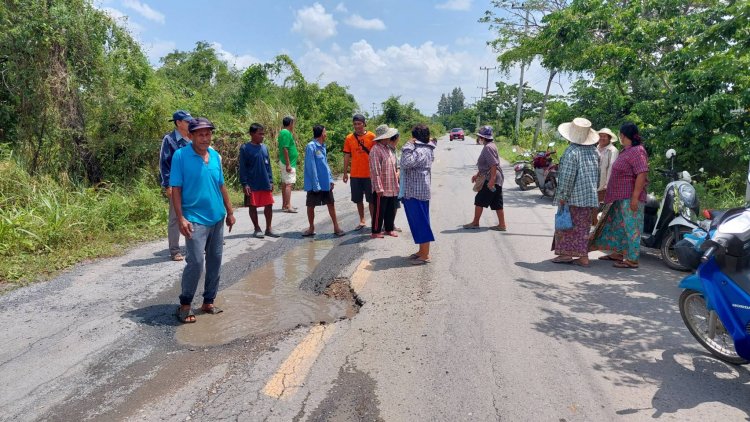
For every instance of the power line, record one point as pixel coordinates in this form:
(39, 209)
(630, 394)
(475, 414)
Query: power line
(487, 80)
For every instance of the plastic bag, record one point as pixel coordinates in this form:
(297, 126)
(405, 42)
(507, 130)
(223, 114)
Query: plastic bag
(563, 219)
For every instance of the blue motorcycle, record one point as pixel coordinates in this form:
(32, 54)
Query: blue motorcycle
(715, 304)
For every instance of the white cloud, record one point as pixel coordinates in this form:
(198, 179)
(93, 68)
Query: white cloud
(359, 22)
(157, 49)
(341, 8)
(455, 5)
(240, 62)
(122, 20)
(144, 10)
(314, 23)
(464, 41)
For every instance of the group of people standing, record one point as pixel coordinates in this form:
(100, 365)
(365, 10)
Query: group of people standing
(193, 179)
(595, 178)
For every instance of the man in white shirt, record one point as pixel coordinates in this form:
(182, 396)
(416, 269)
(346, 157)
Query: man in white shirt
(607, 156)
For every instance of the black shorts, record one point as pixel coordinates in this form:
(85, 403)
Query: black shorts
(486, 198)
(323, 197)
(361, 186)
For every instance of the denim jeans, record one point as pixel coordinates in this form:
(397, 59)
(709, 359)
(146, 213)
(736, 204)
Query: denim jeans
(208, 239)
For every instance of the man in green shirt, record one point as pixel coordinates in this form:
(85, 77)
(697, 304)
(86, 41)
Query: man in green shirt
(287, 163)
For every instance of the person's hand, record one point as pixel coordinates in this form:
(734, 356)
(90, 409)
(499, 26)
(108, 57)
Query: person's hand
(288, 168)
(412, 140)
(473, 178)
(186, 228)
(633, 205)
(249, 191)
(492, 184)
(331, 185)
(230, 221)
(344, 179)
(562, 202)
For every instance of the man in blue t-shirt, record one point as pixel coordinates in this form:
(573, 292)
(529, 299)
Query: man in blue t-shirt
(319, 181)
(256, 178)
(202, 206)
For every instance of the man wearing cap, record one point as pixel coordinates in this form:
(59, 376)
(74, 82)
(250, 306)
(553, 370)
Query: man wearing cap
(384, 182)
(173, 141)
(287, 163)
(357, 147)
(202, 206)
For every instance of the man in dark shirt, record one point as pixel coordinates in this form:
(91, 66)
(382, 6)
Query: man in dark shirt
(171, 142)
(257, 179)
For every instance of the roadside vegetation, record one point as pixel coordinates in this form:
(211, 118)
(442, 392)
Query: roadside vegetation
(82, 115)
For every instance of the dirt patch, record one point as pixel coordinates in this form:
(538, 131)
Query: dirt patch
(340, 289)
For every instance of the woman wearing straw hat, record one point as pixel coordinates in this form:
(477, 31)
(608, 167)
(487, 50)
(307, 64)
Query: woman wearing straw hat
(607, 155)
(577, 182)
(490, 177)
(384, 180)
(620, 231)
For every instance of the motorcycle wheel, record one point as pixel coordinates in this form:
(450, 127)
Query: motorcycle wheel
(668, 254)
(696, 317)
(549, 188)
(525, 182)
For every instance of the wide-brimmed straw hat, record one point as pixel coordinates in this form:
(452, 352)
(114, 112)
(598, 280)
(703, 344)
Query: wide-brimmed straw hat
(612, 136)
(384, 132)
(579, 132)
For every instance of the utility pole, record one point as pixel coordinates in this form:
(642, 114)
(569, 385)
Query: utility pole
(487, 80)
(373, 109)
(482, 88)
(519, 100)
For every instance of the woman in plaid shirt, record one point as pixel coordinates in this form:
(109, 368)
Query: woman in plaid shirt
(620, 231)
(416, 166)
(577, 180)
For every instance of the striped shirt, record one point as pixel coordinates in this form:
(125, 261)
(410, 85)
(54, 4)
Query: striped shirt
(383, 170)
(416, 169)
(578, 176)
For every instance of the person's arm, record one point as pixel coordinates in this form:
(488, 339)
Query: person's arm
(493, 178)
(347, 160)
(410, 159)
(186, 227)
(165, 164)
(288, 162)
(244, 172)
(230, 220)
(313, 166)
(376, 172)
(566, 176)
(269, 169)
(640, 182)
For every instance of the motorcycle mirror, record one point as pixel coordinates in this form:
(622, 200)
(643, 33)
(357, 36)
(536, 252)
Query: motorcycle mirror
(671, 153)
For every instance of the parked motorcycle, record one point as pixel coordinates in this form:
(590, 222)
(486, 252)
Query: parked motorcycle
(715, 305)
(545, 171)
(666, 222)
(525, 176)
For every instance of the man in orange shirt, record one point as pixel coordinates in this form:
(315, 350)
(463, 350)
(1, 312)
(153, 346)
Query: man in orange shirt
(357, 147)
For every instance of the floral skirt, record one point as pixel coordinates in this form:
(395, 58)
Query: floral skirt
(575, 241)
(619, 231)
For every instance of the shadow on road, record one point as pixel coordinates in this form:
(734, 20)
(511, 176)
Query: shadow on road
(396, 261)
(635, 315)
(155, 315)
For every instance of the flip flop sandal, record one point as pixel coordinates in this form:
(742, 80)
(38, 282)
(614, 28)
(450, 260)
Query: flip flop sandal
(340, 233)
(561, 261)
(470, 227)
(392, 234)
(212, 310)
(184, 314)
(420, 261)
(308, 234)
(579, 263)
(291, 210)
(608, 258)
(625, 264)
(498, 228)
(177, 257)
(413, 256)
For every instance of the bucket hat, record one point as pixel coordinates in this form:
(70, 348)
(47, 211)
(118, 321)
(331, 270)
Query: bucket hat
(385, 132)
(607, 131)
(579, 132)
(485, 132)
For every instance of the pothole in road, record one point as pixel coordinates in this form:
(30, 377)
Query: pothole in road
(269, 299)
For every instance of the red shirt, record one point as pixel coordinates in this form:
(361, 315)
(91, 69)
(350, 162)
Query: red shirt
(631, 162)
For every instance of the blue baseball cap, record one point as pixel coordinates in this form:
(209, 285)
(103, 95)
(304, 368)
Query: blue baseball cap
(181, 115)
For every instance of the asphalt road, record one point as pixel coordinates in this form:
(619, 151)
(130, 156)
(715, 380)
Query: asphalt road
(490, 330)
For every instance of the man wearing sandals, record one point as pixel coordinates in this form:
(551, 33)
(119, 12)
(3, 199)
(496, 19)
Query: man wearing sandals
(287, 163)
(319, 181)
(202, 206)
(173, 141)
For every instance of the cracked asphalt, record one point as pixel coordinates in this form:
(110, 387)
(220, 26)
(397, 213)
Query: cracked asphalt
(490, 330)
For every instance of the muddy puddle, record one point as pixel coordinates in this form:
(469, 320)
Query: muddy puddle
(269, 300)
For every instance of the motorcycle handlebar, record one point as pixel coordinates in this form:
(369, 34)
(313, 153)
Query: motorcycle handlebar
(710, 252)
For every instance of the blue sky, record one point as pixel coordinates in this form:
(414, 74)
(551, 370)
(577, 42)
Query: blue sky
(413, 48)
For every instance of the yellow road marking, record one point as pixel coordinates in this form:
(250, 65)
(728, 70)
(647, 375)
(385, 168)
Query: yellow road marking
(292, 373)
(360, 276)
